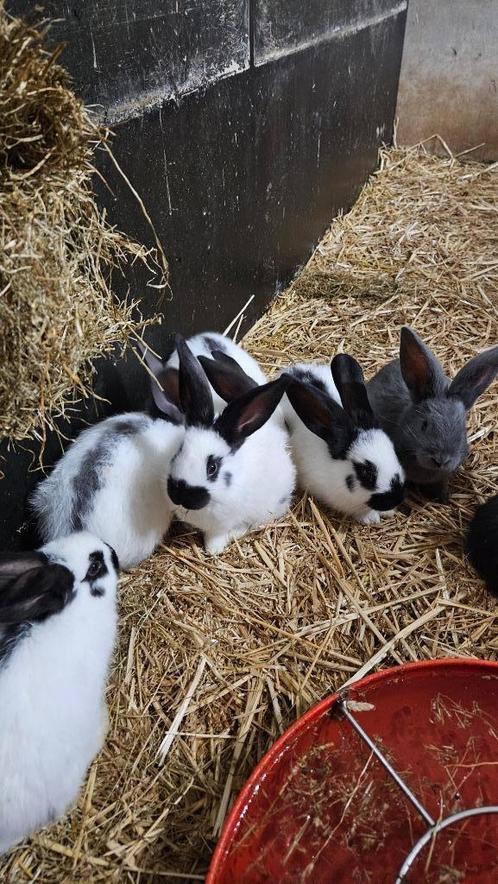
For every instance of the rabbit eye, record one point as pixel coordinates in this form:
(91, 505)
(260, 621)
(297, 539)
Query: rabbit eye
(97, 567)
(213, 467)
(424, 426)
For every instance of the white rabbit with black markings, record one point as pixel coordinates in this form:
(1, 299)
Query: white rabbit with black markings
(343, 457)
(58, 623)
(233, 472)
(112, 479)
(206, 344)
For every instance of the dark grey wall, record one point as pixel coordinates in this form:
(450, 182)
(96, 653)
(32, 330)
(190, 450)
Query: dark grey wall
(126, 55)
(240, 175)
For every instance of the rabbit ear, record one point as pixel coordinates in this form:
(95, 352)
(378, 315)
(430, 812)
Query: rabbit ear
(421, 371)
(14, 564)
(166, 394)
(323, 417)
(226, 376)
(220, 356)
(474, 378)
(195, 393)
(164, 386)
(249, 412)
(35, 593)
(349, 380)
(152, 361)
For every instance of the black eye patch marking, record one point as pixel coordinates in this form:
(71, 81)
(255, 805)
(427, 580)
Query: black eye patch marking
(213, 464)
(366, 474)
(97, 567)
(227, 478)
(350, 482)
(389, 500)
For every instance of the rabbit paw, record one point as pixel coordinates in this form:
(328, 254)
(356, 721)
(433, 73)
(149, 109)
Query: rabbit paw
(216, 544)
(370, 518)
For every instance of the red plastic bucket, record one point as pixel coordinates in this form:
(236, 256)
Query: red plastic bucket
(320, 808)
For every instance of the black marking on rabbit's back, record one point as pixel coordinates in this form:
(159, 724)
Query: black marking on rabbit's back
(87, 482)
(366, 473)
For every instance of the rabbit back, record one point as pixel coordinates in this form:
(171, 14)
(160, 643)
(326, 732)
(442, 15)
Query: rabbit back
(112, 482)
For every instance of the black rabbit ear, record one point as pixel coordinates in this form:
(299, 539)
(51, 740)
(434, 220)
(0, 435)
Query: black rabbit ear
(153, 362)
(350, 383)
(227, 377)
(166, 394)
(164, 386)
(35, 594)
(221, 356)
(421, 371)
(14, 564)
(475, 377)
(250, 412)
(323, 416)
(195, 393)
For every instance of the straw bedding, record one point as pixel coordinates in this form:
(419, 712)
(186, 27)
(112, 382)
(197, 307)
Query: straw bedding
(57, 250)
(218, 655)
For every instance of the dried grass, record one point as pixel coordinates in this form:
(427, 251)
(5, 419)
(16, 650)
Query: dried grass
(293, 612)
(57, 250)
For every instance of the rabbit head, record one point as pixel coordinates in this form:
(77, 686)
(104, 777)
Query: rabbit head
(360, 457)
(431, 435)
(36, 585)
(203, 469)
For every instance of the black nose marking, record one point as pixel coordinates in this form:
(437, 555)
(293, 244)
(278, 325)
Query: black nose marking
(189, 496)
(388, 500)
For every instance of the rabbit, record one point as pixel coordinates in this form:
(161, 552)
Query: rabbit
(343, 458)
(205, 344)
(482, 543)
(112, 479)
(425, 414)
(58, 622)
(233, 471)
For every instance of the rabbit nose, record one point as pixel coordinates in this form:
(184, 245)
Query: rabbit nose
(441, 462)
(188, 496)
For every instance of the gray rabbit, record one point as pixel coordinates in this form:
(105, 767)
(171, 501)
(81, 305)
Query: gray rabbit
(425, 413)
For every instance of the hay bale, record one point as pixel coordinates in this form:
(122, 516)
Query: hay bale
(226, 652)
(57, 310)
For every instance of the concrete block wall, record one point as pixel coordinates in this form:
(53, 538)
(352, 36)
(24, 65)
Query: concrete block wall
(449, 75)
